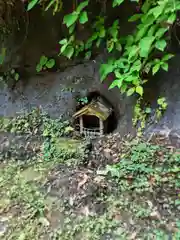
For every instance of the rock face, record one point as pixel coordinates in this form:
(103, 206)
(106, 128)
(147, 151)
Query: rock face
(167, 84)
(56, 94)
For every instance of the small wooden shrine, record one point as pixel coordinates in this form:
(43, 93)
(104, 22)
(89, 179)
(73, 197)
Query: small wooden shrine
(93, 118)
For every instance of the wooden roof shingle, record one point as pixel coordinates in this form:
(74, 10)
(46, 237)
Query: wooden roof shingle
(97, 107)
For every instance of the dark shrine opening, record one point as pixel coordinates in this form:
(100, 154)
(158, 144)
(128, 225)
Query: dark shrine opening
(93, 122)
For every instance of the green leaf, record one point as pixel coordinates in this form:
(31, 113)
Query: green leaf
(167, 57)
(98, 42)
(16, 76)
(123, 88)
(129, 78)
(38, 67)
(110, 45)
(152, 30)
(70, 19)
(50, 63)
(145, 46)
(141, 33)
(130, 91)
(171, 18)
(43, 60)
(71, 28)
(82, 6)
(117, 2)
(63, 48)
(161, 44)
(88, 55)
(156, 68)
(139, 90)
(118, 46)
(63, 41)
(146, 6)
(156, 11)
(133, 51)
(135, 17)
(116, 82)
(148, 110)
(83, 17)
(161, 100)
(31, 4)
(165, 66)
(160, 32)
(102, 32)
(105, 69)
(117, 74)
(69, 51)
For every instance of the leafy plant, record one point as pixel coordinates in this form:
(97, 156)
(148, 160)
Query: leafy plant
(45, 63)
(137, 49)
(162, 106)
(82, 100)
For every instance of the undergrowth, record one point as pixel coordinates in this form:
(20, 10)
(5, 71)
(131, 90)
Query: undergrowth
(136, 198)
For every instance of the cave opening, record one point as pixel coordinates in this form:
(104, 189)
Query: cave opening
(92, 122)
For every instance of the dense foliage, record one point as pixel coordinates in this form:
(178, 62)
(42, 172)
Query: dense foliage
(155, 19)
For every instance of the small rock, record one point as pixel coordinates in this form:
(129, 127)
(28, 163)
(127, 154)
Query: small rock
(107, 153)
(174, 137)
(115, 155)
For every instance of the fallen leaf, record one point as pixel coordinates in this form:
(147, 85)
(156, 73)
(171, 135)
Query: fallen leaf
(85, 211)
(84, 180)
(155, 215)
(133, 236)
(44, 222)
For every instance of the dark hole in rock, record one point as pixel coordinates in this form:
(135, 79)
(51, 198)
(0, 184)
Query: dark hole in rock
(92, 122)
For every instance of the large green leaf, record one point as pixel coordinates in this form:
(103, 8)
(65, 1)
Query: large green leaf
(70, 19)
(145, 45)
(83, 17)
(31, 4)
(161, 44)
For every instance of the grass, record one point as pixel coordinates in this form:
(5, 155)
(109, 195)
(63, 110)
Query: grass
(62, 198)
